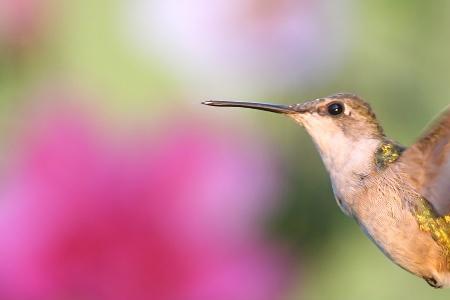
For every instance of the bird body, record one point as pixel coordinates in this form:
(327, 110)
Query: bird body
(400, 197)
(388, 209)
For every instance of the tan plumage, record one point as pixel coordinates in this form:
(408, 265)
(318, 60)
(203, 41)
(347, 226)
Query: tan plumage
(428, 165)
(399, 196)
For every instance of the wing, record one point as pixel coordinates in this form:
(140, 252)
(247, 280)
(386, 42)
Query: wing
(428, 164)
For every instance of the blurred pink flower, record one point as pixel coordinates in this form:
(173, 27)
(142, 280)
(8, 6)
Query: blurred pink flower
(176, 216)
(248, 44)
(21, 21)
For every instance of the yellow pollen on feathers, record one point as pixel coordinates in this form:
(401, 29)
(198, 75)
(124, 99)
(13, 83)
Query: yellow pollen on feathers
(438, 227)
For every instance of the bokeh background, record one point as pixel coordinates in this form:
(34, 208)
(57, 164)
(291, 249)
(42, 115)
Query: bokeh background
(117, 184)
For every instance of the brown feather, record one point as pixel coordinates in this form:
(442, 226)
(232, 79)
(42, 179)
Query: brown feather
(428, 164)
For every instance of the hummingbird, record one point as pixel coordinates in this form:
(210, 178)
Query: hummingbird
(399, 196)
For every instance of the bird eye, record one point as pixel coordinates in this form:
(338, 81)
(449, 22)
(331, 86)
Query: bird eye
(335, 108)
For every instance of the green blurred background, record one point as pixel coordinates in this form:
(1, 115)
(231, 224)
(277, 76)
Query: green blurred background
(394, 54)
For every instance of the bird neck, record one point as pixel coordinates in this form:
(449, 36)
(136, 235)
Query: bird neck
(351, 164)
(387, 153)
(347, 163)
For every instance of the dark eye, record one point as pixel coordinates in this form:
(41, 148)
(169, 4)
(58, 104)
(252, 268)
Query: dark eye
(335, 108)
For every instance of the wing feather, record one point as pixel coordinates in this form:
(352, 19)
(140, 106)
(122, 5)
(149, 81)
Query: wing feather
(428, 164)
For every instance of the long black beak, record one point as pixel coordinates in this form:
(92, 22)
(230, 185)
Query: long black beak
(276, 108)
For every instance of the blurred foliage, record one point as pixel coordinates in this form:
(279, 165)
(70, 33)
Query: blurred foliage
(349, 266)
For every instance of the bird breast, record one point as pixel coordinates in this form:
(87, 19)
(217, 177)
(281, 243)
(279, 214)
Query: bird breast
(387, 210)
